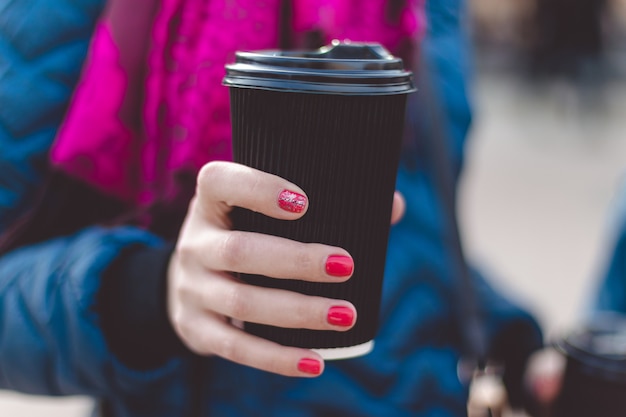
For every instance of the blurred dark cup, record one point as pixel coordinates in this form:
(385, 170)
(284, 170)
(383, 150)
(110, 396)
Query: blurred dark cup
(594, 383)
(330, 121)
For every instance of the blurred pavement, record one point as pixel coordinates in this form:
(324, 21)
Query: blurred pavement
(543, 167)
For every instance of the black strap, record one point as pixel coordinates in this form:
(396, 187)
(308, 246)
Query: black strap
(435, 146)
(285, 32)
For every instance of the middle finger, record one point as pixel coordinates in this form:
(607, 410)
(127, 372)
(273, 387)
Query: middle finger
(272, 256)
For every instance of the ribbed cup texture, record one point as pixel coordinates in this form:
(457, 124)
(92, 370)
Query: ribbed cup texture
(343, 151)
(587, 392)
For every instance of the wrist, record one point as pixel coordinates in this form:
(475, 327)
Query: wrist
(132, 304)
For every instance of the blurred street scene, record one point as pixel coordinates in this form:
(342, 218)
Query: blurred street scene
(546, 157)
(548, 148)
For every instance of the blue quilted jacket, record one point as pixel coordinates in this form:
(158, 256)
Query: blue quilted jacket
(51, 340)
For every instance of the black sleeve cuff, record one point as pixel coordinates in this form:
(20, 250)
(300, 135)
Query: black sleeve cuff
(133, 309)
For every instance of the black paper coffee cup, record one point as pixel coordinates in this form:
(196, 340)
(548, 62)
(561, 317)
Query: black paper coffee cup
(330, 121)
(594, 383)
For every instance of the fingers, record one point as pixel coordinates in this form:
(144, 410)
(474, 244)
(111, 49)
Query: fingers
(399, 207)
(226, 185)
(233, 185)
(204, 299)
(217, 336)
(228, 297)
(255, 253)
(544, 375)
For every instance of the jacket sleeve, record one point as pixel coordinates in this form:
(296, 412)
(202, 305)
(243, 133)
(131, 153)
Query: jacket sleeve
(51, 337)
(51, 340)
(42, 46)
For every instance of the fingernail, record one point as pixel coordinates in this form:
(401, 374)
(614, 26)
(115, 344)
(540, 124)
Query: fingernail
(292, 202)
(339, 265)
(310, 366)
(340, 316)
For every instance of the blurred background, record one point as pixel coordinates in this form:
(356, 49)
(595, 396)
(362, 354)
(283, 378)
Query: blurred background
(547, 152)
(546, 158)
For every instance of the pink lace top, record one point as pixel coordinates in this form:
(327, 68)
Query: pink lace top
(185, 107)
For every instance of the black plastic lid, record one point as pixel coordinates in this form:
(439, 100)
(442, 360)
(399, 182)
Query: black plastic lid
(340, 68)
(599, 345)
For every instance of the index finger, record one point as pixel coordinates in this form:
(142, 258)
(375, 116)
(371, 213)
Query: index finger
(224, 185)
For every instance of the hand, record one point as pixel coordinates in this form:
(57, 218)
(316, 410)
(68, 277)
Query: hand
(205, 301)
(544, 379)
(398, 209)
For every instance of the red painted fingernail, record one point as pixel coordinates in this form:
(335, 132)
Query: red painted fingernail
(340, 316)
(292, 202)
(310, 366)
(339, 265)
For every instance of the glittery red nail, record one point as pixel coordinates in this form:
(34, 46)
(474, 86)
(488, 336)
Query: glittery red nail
(292, 202)
(310, 366)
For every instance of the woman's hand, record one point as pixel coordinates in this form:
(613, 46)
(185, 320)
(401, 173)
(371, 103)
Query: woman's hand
(205, 300)
(207, 303)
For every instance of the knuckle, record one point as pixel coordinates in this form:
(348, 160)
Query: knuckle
(255, 184)
(279, 364)
(177, 321)
(303, 260)
(191, 333)
(228, 348)
(237, 306)
(233, 250)
(185, 253)
(185, 291)
(180, 323)
(306, 316)
(183, 283)
(299, 319)
(209, 171)
(209, 174)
